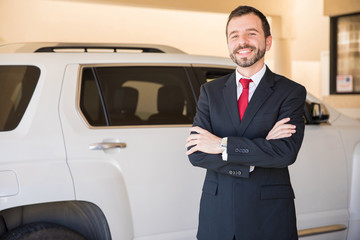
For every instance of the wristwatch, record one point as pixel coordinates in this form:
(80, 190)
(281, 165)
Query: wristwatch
(223, 143)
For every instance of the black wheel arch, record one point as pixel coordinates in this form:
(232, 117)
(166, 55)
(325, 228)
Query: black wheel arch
(83, 217)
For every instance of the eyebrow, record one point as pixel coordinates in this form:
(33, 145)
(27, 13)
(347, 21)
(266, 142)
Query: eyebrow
(252, 29)
(233, 32)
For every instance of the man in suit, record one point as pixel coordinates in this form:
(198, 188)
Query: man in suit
(247, 193)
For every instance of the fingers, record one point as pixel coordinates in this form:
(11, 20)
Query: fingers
(282, 133)
(192, 150)
(198, 130)
(281, 130)
(282, 121)
(193, 140)
(194, 137)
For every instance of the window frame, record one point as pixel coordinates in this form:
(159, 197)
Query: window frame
(188, 71)
(334, 54)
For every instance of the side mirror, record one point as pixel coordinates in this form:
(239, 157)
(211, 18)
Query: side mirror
(315, 113)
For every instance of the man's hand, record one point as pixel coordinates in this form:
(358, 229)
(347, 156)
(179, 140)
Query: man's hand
(207, 142)
(281, 130)
(203, 141)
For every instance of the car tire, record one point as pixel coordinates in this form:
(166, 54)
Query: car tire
(39, 231)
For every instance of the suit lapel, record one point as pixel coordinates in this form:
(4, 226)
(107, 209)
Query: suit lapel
(262, 92)
(230, 99)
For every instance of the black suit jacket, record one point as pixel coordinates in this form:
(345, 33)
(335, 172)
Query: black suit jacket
(257, 205)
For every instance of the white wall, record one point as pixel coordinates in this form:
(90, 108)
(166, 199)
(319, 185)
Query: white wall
(65, 21)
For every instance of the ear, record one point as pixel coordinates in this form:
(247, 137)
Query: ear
(268, 42)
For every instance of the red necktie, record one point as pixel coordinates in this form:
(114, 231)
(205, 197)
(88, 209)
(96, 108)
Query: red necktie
(244, 97)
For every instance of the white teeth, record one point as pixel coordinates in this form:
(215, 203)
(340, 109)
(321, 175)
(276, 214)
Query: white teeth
(242, 52)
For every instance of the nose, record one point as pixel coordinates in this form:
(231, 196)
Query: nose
(243, 39)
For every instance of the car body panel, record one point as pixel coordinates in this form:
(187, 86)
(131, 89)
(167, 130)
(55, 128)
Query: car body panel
(35, 151)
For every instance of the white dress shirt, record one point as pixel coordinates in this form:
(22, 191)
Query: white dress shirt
(256, 78)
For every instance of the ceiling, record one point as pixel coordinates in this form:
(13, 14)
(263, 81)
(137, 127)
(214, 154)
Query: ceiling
(268, 7)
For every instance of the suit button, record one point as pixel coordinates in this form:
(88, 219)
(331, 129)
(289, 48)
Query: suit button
(235, 172)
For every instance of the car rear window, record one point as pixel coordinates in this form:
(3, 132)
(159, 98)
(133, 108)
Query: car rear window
(17, 84)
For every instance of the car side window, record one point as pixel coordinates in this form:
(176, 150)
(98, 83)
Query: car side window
(207, 74)
(122, 96)
(17, 85)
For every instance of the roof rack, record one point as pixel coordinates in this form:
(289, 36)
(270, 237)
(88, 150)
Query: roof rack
(86, 47)
(98, 49)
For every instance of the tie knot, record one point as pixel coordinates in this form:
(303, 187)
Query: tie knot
(245, 82)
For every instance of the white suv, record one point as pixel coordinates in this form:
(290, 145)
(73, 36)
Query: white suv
(92, 147)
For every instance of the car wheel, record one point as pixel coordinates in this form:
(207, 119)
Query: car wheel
(39, 231)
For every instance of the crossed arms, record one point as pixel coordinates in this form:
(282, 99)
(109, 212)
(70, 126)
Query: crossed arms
(204, 141)
(278, 149)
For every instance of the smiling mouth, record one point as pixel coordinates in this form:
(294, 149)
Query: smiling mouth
(244, 50)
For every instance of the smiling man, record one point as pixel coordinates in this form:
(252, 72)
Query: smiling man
(247, 130)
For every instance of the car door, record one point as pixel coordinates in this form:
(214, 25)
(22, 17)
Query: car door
(125, 128)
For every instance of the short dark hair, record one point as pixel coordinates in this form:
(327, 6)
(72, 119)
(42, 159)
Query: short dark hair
(243, 10)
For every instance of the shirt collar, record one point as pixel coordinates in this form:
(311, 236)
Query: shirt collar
(256, 78)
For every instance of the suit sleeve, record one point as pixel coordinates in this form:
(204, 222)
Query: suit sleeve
(211, 161)
(276, 153)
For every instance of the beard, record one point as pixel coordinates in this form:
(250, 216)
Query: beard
(247, 62)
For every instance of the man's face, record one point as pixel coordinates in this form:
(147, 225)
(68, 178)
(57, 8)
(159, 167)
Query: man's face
(246, 40)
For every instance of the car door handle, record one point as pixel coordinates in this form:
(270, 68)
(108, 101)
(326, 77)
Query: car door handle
(106, 145)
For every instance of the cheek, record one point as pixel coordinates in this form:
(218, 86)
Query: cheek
(231, 46)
